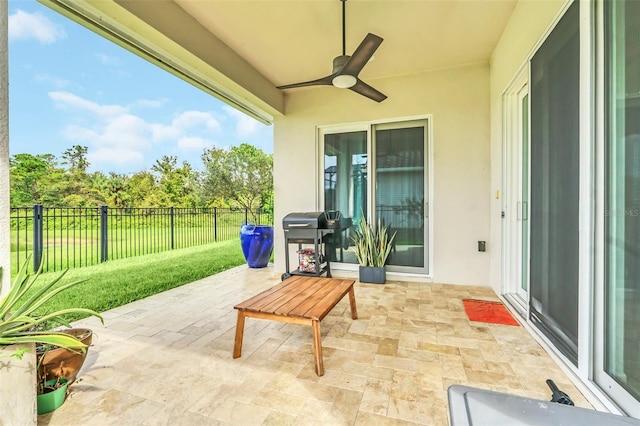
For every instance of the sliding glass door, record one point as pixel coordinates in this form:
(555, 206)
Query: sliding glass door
(400, 192)
(620, 373)
(515, 192)
(381, 173)
(554, 193)
(523, 207)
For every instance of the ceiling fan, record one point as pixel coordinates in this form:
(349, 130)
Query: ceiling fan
(346, 68)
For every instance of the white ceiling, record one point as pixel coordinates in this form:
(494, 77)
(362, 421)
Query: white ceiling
(240, 50)
(292, 41)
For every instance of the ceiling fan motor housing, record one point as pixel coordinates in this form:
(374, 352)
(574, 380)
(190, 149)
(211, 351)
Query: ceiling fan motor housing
(339, 62)
(342, 81)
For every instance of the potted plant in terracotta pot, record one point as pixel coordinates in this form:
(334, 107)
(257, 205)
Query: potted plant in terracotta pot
(21, 321)
(372, 245)
(56, 362)
(58, 368)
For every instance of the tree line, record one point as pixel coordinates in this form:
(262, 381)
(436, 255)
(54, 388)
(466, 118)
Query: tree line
(241, 176)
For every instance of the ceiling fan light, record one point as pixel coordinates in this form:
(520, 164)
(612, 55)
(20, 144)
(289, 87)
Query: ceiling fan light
(344, 81)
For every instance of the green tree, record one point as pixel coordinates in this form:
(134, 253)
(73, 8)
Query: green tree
(78, 187)
(242, 175)
(35, 179)
(178, 183)
(144, 190)
(27, 172)
(214, 163)
(76, 159)
(111, 190)
(117, 190)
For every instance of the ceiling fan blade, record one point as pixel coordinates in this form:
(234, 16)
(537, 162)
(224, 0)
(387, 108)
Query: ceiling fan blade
(324, 81)
(364, 89)
(361, 56)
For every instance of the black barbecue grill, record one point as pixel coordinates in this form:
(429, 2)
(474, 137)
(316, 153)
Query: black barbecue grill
(312, 228)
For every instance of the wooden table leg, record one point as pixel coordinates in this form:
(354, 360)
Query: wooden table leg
(237, 346)
(352, 302)
(317, 347)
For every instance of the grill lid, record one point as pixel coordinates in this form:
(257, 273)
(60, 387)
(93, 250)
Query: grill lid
(305, 220)
(316, 220)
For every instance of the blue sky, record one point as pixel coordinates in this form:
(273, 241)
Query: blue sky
(69, 86)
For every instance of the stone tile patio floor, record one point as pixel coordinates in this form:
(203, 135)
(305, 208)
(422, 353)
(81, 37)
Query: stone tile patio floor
(167, 359)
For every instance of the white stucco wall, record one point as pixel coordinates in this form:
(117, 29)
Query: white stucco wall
(5, 247)
(530, 21)
(458, 101)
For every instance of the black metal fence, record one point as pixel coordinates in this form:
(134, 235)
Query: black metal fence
(68, 237)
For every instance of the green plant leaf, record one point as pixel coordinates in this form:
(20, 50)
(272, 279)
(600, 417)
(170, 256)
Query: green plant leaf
(371, 244)
(18, 318)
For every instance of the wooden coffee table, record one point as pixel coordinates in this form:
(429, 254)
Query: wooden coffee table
(297, 300)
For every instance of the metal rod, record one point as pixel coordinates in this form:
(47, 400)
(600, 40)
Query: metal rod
(344, 26)
(104, 233)
(37, 236)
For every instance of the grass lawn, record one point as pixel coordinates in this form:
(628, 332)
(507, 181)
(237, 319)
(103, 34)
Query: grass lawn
(118, 282)
(80, 248)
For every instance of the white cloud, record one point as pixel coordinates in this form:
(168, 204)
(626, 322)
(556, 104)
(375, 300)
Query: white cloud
(122, 157)
(245, 125)
(189, 119)
(163, 132)
(60, 83)
(117, 137)
(80, 134)
(122, 141)
(66, 100)
(26, 26)
(114, 65)
(111, 61)
(150, 103)
(126, 131)
(193, 144)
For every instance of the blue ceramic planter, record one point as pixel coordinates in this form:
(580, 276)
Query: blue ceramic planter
(257, 244)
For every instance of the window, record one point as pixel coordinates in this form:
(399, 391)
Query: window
(345, 173)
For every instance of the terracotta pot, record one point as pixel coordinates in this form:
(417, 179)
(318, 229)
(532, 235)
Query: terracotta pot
(59, 362)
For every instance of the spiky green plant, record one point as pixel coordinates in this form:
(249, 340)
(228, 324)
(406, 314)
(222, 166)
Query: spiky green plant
(20, 319)
(372, 244)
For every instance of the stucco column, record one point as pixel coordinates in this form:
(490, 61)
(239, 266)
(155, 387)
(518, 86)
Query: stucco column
(5, 247)
(17, 376)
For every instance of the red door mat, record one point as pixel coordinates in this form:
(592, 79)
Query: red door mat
(486, 311)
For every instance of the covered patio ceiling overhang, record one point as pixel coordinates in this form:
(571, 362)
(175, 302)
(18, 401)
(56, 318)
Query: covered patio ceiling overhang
(239, 51)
